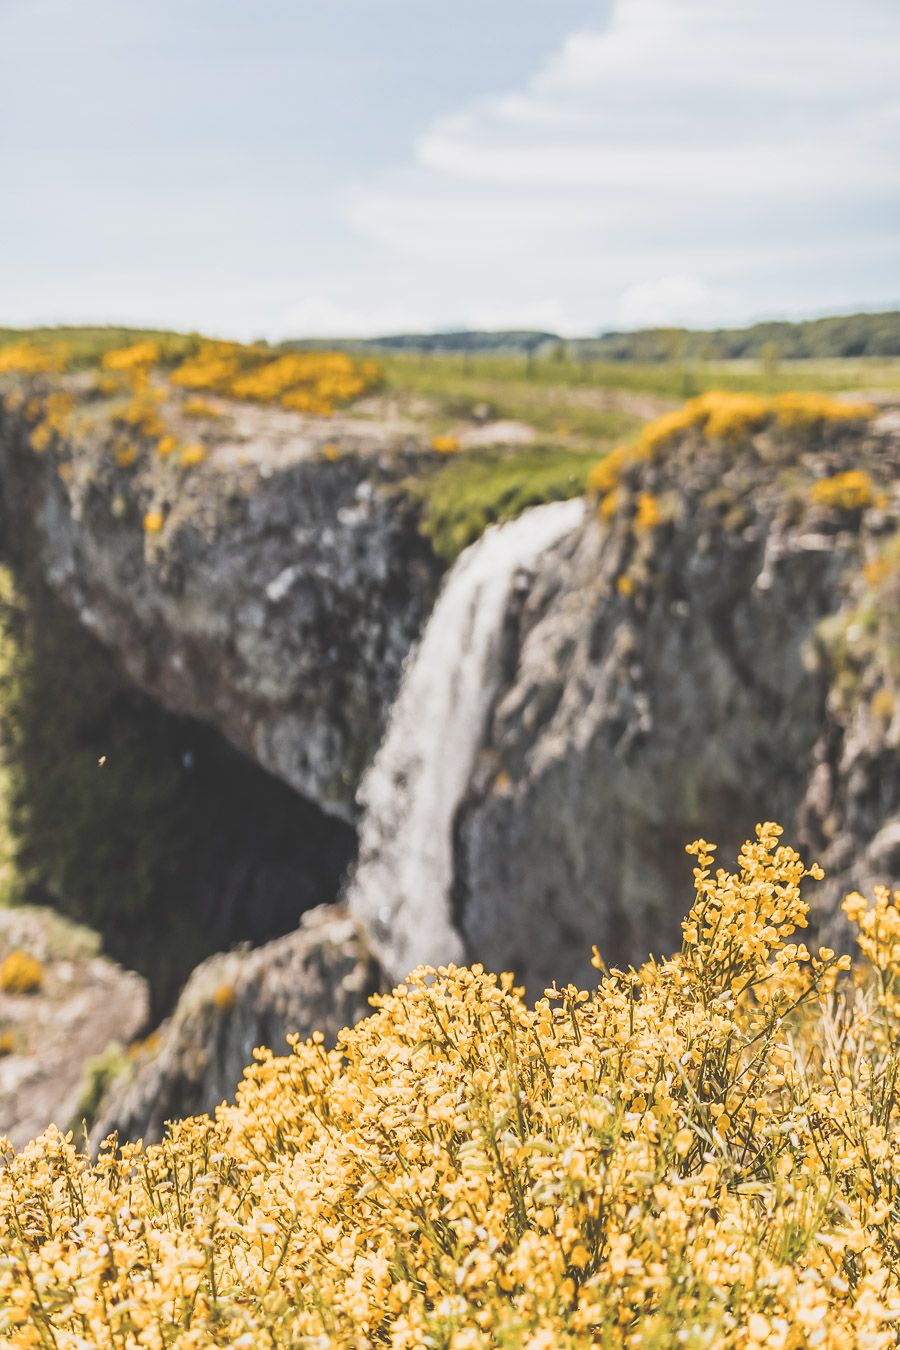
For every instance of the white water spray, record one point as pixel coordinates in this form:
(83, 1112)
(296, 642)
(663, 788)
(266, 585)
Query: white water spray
(401, 887)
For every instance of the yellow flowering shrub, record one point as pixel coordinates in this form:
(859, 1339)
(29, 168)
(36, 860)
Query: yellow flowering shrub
(883, 704)
(729, 417)
(142, 415)
(309, 382)
(107, 385)
(877, 571)
(224, 997)
(166, 445)
(146, 1045)
(445, 445)
(213, 366)
(797, 409)
(41, 437)
(192, 455)
(21, 973)
(609, 504)
(721, 415)
(314, 382)
(27, 358)
(53, 418)
(701, 1152)
(647, 514)
(153, 522)
(878, 928)
(850, 491)
(138, 355)
(200, 407)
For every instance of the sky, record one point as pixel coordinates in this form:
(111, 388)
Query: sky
(274, 168)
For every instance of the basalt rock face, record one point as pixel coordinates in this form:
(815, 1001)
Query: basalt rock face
(723, 648)
(318, 978)
(278, 599)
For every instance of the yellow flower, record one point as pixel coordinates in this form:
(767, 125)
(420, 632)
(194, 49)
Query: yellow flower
(445, 445)
(609, 504)
(850, 491)
(647, 513)
(708, 1141)
(683, 1141)
(21, 973)
(192, 455)
(721, 416)
(133, 357)
(29, 358)
(307, 382)
(200, 407)
(153, 522)
(224, 997)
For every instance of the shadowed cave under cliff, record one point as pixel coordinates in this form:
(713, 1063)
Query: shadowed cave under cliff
(147, 826)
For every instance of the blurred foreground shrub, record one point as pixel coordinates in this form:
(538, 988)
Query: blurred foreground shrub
(700, 1152)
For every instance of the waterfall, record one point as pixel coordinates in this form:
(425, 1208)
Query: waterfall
(401, 886)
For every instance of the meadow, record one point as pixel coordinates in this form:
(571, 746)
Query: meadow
(568, 406)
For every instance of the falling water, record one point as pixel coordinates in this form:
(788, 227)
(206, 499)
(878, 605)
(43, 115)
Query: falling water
(401, 888)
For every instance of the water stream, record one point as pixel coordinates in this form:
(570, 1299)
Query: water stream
(401, 887)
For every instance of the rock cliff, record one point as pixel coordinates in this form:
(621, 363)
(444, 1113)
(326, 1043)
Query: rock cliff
(722, 648)
(277, 601)
(318, 978)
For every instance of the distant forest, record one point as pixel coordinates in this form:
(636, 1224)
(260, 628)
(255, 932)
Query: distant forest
(844, 335)
(840, 336)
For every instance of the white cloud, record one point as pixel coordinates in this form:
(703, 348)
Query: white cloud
(675, 160)
(681, 300)
(696, 161)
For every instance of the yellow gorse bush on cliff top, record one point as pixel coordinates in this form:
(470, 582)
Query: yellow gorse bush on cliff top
(721, 415)
(27, 358)
(313, 382)
(139, 355)
(701, 1152)
(849, 491)
(309, 381)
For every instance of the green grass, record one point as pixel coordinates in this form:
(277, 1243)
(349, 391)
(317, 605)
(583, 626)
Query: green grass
(478, 487)
(466, 494)
(88, 346)
(522, 383)
(532, 388)
(457, 387)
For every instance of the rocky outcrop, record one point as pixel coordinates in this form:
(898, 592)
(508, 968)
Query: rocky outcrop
(715, 646)
(277, 593)
(318, 978)
(50, 1034)
(724, 649)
